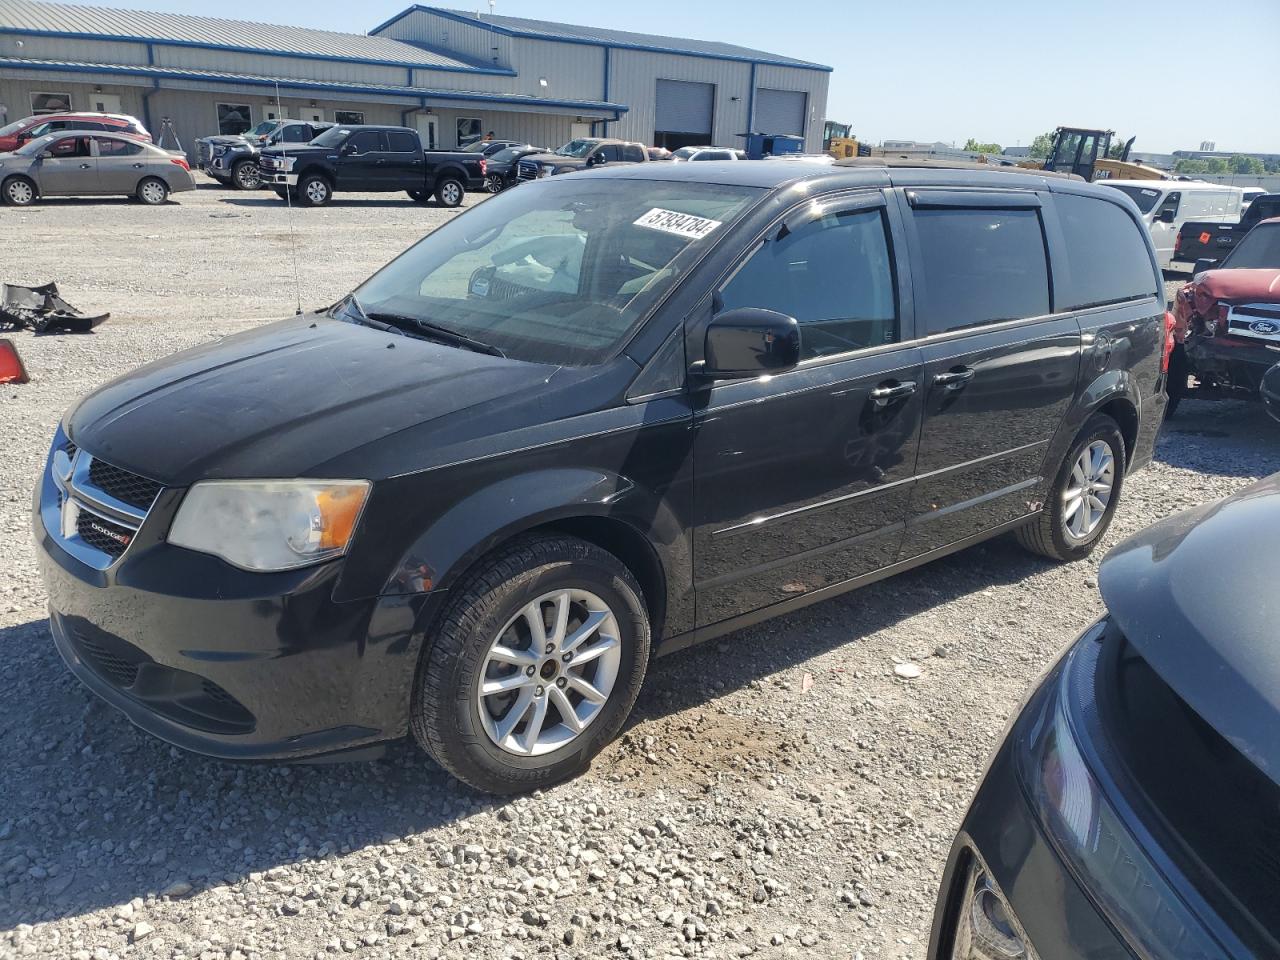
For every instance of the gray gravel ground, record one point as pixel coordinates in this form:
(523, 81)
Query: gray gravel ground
(780, 792)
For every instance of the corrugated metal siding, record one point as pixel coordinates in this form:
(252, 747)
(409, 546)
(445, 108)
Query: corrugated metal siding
(74, 18)
(814, 86)
(471, 41)
(263, 65)
(780, 111)
(65, 48)
(541, 130)
(633, 81)
(682, 106)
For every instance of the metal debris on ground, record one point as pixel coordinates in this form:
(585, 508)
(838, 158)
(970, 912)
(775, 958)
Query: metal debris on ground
(42, 309)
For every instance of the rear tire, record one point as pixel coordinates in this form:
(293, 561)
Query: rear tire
(153, 191)
(418, 196)
(461, 725)
(314, 191)
(19, 192)
(449, 192)
(1176, 381)
(1050, 534)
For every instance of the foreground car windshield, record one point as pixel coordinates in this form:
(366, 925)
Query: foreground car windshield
(1144, 197)
(556, 272)
(576, 148)
(1259, 250)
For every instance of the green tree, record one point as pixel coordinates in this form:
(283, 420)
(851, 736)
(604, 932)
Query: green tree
(1041, 145)
(1216, 165)
(1242, 164)
(1191, 167)
(1116, 148)
(973, 146)
(1271, 166)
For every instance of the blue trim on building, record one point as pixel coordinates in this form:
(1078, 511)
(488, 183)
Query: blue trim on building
(604, 124)
(176, 73)
(751, 101)
(262, 51)
(586, 41)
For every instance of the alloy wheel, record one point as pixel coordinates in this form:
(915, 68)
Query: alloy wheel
(451, 194)
(317, 191)
(1089, 490)
(549, 672)
(247, 176)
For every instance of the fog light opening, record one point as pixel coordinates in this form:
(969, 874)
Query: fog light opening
(987, 928)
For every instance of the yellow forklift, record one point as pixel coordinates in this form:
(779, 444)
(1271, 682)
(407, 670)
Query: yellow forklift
(1084, 152)
(839, 141)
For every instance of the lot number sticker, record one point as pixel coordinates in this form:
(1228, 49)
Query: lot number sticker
(681, 224)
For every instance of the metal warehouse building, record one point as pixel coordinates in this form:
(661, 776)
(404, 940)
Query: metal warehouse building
(453, 75)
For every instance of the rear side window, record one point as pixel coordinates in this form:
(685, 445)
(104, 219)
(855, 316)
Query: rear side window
(832, 274)
(110, 147)
(980, 266)
(632, 153)
(400, 142)
(1106, 251)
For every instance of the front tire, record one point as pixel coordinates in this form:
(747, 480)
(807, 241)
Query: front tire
(153, 191)
(449, 192)
(19, 192)
(245, 175)
(314, 191)
(418, 196)
(1083, 497)
(495, 184)
(534, 667)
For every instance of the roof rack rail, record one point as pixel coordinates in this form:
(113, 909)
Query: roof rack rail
(945, 163)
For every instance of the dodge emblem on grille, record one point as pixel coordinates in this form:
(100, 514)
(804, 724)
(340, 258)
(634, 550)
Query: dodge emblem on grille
(120, 538)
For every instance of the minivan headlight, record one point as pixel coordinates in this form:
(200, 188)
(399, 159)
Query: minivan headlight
(269, 525)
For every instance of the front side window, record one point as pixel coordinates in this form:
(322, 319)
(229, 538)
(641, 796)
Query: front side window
(363, 141)
(979, 266)
(1170, 205)
(832, 274)
(234, 118)
(1107, 253)
(560, 271)
(69, 147)
(609, 153)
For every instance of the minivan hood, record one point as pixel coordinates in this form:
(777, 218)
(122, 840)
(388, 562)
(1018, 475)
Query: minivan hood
(282, 399)
(1196, 595)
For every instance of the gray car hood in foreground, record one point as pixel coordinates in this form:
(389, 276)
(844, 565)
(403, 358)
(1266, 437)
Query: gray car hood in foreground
(1197, 595)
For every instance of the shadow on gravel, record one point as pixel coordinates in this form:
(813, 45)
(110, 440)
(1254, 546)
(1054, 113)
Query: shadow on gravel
(336, 203)
(1225, 438)
(94, 812)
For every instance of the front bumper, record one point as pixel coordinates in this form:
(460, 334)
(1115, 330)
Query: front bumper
(1088, 883)
(224, 662)
(278, 178)
(1231, 361)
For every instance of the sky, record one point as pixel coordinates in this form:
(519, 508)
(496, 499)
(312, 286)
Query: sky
(1171, 73)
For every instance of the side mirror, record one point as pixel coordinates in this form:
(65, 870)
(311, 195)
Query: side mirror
(46, 155)
(348, 149)
(1166, 216)
(595, 160)
(1203, 264)
(750, 342)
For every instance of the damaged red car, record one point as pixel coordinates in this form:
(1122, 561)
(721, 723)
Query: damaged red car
(1227, 325)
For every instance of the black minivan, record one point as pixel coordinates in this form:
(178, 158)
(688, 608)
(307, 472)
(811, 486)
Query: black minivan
(586, 422)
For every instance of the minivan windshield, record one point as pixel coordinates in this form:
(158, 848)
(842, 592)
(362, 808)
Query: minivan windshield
(1144, 197)
(331, 137)
(576, 148)
(558, 271)
(1259, 250)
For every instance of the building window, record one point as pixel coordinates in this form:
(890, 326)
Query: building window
(234, 118)
(346, 118)
(468, 130)
(50, 103)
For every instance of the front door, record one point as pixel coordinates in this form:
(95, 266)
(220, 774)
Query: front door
(802, 479)
(428, 131)
(70, 171)
(1000, 368)
(403, 161)
(121, 164)
(358, 164)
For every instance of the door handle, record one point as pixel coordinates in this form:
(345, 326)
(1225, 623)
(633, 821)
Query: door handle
(890, 391)
(954, 379)
(137, 166)
(84, 166)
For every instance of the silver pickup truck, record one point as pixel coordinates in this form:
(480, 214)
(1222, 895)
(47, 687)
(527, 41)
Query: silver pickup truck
(233, 160)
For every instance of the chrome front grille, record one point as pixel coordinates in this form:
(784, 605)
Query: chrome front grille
(96, 508)
(527, 170)
(1258, 321)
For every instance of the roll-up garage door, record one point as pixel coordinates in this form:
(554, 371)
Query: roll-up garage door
(780, 111)
(685, 107)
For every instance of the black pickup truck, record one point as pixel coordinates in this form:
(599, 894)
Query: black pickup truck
(1198, 240)
(369, 159)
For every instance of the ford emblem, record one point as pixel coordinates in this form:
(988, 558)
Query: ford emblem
(1264, 327)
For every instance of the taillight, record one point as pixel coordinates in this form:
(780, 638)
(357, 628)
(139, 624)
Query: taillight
(1177, 243)
(484, 166)
(180, 161)
(1167, 350)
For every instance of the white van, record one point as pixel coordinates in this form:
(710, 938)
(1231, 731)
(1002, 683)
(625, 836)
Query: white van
(1167, 204)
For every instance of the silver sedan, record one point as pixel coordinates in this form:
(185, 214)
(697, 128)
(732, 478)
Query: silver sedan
(86, 163)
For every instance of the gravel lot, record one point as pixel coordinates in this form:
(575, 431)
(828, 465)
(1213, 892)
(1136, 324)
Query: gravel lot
(779, 793)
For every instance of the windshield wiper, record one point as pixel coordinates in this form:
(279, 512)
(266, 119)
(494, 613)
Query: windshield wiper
(424, 328)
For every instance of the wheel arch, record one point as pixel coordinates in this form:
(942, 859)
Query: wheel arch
(1113, 393)
(35, 185)
(451, 171)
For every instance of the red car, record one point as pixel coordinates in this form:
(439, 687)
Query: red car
(1227, 322)
(20, 131)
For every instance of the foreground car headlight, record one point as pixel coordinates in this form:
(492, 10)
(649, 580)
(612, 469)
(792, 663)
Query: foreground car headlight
(986, 928)
(270, 524)
(1082, 819)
